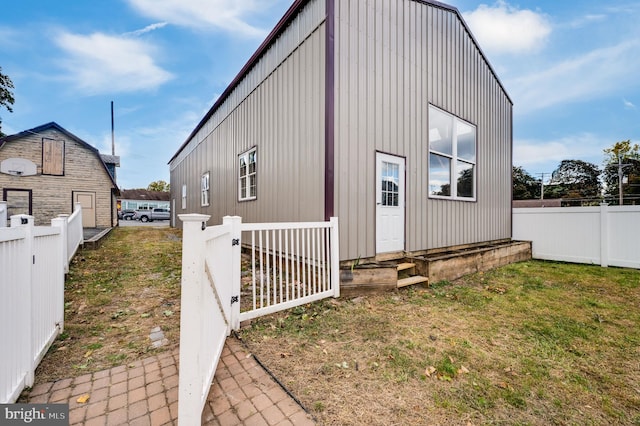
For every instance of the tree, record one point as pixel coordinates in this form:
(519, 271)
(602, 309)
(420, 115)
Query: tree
(622, 160)
(6, 95)
(575, 179)
(159, 185)
(525, 186)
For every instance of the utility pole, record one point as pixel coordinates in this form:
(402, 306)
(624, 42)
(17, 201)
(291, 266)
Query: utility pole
(542, 184)
(621, 166)
(113, 142)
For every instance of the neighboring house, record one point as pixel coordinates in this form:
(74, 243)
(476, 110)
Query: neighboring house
(142, 199)
(385, 114)
(47, 170)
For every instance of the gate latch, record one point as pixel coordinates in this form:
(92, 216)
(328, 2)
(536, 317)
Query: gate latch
(235, 242)
(234, 299)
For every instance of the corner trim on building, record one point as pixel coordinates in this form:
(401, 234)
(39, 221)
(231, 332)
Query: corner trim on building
(329, 113)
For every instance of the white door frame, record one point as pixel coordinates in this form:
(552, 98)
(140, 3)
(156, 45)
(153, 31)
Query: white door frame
(390, 203)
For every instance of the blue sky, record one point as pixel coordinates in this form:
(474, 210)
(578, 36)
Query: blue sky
(572, 69)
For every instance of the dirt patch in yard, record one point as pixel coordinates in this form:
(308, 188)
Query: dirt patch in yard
(114, 297)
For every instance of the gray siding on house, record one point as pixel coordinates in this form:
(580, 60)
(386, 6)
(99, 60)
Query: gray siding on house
(393, 59)
(278, 107)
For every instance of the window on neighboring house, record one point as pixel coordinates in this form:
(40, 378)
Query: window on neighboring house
(52, 157)
(247, 183)
(452, 156)
(204, 190)
(184, 196)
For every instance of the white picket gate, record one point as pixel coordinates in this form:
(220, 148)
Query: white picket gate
(290, 264)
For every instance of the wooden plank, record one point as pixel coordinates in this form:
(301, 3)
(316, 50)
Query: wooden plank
(416, 279)
(405, 266)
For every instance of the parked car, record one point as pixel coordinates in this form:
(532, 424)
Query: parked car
(151, 215)
(126, 214)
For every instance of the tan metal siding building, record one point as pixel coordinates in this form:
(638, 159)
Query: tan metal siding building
(277, 107)
(338, 95)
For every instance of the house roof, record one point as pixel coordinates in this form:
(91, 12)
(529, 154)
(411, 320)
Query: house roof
(55, 126)
(111, 159)
(144, 194)
(279, 29)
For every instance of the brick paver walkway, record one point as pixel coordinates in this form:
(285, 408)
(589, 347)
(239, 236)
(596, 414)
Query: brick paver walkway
(146, 393)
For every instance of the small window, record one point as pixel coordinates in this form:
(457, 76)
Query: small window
(452, 156)
(184, 197)
(247, 176)
(204, 190)
(52, 157)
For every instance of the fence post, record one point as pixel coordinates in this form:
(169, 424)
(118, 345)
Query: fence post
(335, 256)
(236, 252)
(189, 380)
(3, 214)
(604, 235)
(26, 221)
(61, 222)
(77, 207)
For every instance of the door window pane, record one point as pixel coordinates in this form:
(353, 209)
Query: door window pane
(390, 184)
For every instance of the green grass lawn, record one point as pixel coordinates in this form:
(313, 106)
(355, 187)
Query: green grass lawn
(530, 343)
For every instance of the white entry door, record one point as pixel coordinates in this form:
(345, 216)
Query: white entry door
(390, 189)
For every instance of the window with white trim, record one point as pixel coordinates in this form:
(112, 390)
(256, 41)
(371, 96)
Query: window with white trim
(452, 156)
(247, 177)
(204, 190)
(184, 196)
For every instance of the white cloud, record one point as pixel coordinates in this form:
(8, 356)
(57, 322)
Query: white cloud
(586, 20)
(147, 29)
(545, 155)
(597, 73)
(227, 15)
(628, 104)
(100, 63)
(502, 28)
(9, 37)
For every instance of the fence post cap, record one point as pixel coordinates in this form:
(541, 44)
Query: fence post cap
(194, 217)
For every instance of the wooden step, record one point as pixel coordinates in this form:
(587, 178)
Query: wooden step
(416, 279)
(403, 266)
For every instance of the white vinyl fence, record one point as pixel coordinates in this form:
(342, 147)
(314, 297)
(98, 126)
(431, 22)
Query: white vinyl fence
(288, 264)
(33, 260)
(605, 235)
(3, 214)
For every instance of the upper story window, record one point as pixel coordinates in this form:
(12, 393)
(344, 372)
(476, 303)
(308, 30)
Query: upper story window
(52, 157)
(247, 177)
(452, 156)
(204, 190)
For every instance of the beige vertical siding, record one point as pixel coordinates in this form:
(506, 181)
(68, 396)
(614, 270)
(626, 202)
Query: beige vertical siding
(394, 58)
(278, 107)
